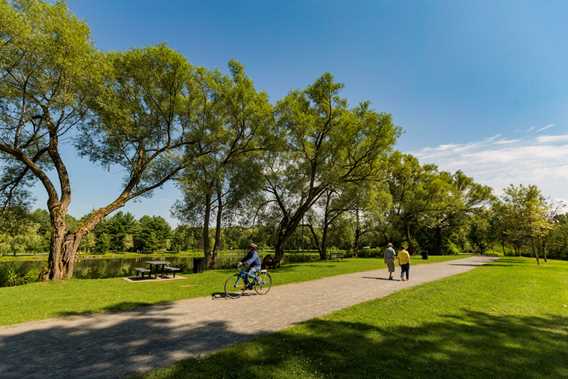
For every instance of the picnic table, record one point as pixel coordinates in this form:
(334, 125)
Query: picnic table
(157, 267)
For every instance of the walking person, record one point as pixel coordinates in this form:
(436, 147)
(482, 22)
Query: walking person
(390, 256)
(404, 262)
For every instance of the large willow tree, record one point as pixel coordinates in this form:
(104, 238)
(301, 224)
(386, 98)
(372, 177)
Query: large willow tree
(132, 110)
(324, 145)
(239, 119)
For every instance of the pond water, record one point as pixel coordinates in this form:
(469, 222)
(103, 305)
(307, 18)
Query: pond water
(27, 271)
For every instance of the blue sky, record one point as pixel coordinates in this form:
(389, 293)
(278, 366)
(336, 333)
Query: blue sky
(476, 85)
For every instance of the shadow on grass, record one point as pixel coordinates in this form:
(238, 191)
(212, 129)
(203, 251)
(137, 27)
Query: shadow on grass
(470, 345)
(501, 262)
(472, 264)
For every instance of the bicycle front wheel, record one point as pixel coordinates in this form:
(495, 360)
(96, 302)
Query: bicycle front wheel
(234, 287)
(263, 283)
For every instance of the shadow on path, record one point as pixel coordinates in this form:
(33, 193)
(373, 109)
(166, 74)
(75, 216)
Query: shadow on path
(236, 295)
(469, 345)
(91, 349)
(380, 278)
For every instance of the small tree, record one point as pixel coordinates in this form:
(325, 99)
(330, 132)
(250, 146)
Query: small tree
(525, 217)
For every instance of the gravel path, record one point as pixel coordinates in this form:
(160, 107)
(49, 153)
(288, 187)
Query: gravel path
(114, 345)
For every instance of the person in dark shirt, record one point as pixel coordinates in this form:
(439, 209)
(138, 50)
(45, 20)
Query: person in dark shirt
(390, 256)
(252, 260)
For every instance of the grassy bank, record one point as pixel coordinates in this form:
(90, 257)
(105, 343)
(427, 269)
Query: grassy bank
(44, 300)
(506, 320)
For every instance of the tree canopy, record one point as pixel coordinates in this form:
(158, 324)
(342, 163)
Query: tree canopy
(254, 169)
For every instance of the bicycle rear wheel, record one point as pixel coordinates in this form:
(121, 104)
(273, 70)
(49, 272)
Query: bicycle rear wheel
(263, 283)
(234, 287)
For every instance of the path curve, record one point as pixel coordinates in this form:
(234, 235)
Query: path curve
(114, 345)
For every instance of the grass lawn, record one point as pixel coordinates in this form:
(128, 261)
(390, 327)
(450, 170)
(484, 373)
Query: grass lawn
(506, 320)
(37, 301)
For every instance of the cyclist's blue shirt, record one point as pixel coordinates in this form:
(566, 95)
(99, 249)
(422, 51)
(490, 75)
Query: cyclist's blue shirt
(252, 259)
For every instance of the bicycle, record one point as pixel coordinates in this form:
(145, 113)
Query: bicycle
(235, 284)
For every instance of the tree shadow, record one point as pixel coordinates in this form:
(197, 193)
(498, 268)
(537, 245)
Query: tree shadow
(501, 262)
(125, 306)
(96, 347)
(469, 345)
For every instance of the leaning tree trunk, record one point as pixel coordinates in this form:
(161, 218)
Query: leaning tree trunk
(279, 248)
(284, 233)
(286, 228)
(63, 254)
(535, 252)
(316, 241)
(218, 225)
(357, 240)
(205, 230)
(323, 246)
(63, 248)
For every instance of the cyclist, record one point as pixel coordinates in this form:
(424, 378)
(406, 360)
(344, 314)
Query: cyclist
(252, 260)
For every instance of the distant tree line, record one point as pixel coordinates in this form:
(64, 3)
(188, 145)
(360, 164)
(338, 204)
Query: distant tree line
(520, 222)
(309, 169)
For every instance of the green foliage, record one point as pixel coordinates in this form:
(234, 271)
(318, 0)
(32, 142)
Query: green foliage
(48, 66)
(522, 219)
(557, 243)
(479, 233)
(251, 169)
(238, 119)
(452, 248)
(153, 234)
(323, 144)
(430, 209)
(12, 274)
(19, 233)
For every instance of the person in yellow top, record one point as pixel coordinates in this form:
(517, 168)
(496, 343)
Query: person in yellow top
(404, 262)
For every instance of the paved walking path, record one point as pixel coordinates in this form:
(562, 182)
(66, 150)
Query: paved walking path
(114, 345)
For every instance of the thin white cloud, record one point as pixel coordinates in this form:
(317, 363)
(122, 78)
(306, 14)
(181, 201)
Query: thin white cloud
(498, 162)
(553, 138)
(504, 141)
(492, 139)
(546, 127)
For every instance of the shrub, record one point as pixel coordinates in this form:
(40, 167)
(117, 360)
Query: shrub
(9, 276)
(452, 248)
(370, 253)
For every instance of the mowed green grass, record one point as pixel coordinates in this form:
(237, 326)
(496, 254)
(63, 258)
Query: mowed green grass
(37, 301)
(506, 320)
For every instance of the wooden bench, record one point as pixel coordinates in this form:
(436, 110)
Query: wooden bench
(141, 271)
(336, 256)
(172, 270)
